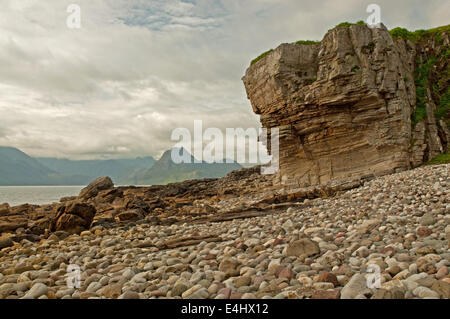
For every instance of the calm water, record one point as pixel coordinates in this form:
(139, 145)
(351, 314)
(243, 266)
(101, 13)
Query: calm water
(16, 195)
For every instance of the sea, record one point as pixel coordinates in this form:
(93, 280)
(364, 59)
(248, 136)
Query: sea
(38, 195)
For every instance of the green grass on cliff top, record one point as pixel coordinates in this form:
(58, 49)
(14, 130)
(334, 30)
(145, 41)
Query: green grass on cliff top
(347, 24)
(300, 42)
(440, 159)
(395, 33)
(419, 34)
(261, 56)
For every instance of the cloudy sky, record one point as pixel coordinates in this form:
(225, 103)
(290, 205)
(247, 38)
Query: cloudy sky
(137, 69)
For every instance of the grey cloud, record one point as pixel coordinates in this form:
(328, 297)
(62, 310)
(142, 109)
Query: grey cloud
(138, 69)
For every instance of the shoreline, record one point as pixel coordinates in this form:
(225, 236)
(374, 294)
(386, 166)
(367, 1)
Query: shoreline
(317, 248)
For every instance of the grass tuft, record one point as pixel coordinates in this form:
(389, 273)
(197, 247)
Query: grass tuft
(261, 56)
(440, 159)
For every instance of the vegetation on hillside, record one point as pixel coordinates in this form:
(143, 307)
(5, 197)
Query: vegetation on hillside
(307, 42)
(261, 56)
(440, 159)
(419, 34)
(431, 72)
(347, 24)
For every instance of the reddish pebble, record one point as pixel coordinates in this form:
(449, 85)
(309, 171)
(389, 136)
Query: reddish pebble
(325, 276)
(442, 272)
(424, 232)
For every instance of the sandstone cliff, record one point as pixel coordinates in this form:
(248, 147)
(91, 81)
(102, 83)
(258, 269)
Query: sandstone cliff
(347, 108)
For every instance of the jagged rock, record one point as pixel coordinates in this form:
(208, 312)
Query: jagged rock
(343, 107)
(136, 203)
(39, 226)
(74, 217)
(99, 184)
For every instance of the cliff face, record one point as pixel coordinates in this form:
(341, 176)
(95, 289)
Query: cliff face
(344, 106)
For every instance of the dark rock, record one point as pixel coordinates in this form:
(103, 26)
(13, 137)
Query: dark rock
(129, 215)
(136, 203)
(74, 217)
(39, 226)
(29, 237)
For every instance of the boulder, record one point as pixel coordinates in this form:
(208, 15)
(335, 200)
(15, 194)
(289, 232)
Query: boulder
(74, 217)
(99, 184)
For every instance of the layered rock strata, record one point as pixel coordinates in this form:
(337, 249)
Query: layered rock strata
(344, 106)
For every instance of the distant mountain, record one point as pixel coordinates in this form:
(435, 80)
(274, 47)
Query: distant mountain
(120, 170)
(19, 169)
(165, 171)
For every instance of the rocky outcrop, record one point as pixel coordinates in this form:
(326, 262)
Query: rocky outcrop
(73, 217)
(102, 204)
(99, 184)
(343, 106)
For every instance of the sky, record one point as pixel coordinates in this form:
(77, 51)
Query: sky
(135, 70)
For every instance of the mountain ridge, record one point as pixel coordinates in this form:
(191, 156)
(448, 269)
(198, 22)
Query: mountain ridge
(19, 169)
(165, 171)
